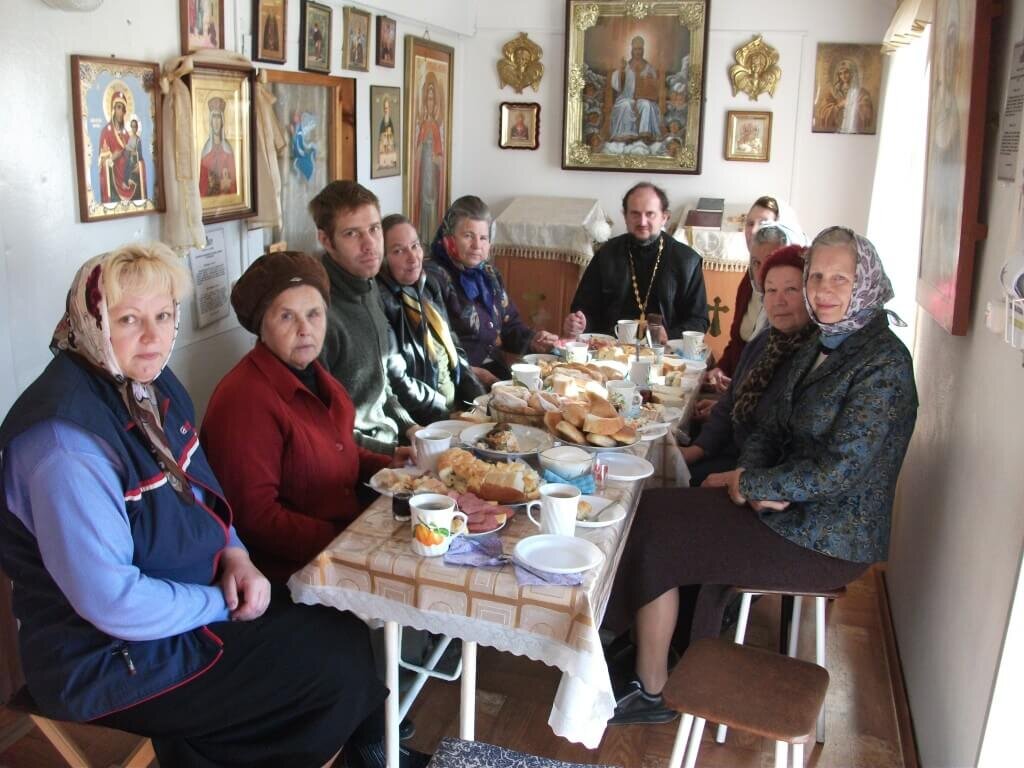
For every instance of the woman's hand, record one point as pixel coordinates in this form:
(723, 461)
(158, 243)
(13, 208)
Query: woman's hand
(486, 377)
(702, 409)
(691, 454)
(575, 323)
(729, 481)
(718, 381)
(760, 506)
(246, 590)
(543, 341)
(404, 454)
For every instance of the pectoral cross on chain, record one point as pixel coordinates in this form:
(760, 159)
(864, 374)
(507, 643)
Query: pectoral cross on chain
(716, 309)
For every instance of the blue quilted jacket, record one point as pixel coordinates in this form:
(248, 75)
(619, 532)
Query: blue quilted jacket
(833, 444)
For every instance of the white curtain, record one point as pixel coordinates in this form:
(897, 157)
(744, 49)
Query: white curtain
(894, 219)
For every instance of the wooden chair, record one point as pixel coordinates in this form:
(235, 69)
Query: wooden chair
(15, 695)
(769, 695)
(820, 628)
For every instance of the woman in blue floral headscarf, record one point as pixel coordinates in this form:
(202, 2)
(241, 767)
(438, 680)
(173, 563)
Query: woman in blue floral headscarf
(480, 310)
(819, 472)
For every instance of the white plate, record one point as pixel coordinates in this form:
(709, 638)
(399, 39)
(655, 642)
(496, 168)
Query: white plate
(452, 426)
(410, 471)
(602, 512)
(469, 535)
(537, 359)
(625, 467)
(531, 440)
(598, 337)
(653, 431)
(557, 554)
(596, 448)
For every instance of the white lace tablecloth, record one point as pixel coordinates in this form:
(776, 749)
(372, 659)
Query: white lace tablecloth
(371, 570)
(722, 249)
(566, 227)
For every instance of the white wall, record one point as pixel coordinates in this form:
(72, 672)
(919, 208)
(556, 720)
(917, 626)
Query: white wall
(42, 242)
(827, 177)
(956, 545)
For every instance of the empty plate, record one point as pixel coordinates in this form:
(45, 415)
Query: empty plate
(625, 467)
(557, 554)
(602, 512)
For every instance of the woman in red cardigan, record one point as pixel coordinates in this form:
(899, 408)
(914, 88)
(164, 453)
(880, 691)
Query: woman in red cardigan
(748, 311)
(278, 429)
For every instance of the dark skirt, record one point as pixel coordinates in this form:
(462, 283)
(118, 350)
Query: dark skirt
(289, 690)
(697, 539)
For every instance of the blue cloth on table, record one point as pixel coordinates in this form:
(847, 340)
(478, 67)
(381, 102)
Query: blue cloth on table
(477, 551)
(584, 482)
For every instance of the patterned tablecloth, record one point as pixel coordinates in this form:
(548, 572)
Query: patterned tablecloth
(371, 570)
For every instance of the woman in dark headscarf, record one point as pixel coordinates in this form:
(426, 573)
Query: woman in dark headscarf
(819, 473)
(481, 313)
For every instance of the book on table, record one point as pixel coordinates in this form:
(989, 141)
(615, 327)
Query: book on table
(704, 219)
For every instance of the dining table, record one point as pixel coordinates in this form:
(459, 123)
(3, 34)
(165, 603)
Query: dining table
(371, 570)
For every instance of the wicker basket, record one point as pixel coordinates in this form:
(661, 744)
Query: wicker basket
(500, 414)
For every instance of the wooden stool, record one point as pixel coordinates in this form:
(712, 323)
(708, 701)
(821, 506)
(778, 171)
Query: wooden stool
(457, 753)
(55, 731)
(820, 628)
(746, 688)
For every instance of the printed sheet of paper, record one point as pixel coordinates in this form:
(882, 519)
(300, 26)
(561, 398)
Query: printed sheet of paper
(210, 274)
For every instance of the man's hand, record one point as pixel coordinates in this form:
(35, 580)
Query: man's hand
(691, 454)
(246, 590)
(575, 323)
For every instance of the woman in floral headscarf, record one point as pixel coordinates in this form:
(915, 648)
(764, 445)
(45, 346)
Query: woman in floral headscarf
(819, 473)
(139, 607)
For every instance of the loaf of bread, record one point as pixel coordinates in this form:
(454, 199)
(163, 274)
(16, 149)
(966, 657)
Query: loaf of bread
(505, 483)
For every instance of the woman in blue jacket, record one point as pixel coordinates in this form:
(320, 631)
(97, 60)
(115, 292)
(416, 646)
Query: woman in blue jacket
(811, 498)
(139, 607)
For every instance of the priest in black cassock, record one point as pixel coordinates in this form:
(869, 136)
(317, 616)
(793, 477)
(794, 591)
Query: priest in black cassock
(642, 273)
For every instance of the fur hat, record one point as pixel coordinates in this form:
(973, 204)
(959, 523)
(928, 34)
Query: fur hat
(268, 276)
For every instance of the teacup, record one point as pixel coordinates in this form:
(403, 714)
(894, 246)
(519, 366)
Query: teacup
(432, 517)
(577, 351)
(558, 504)
(693, 345)
(430, 444)
(526, 374)
(640, 372)
(624, 397)
(626, 330)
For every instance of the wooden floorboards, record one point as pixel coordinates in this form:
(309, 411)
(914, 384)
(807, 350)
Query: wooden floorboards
(515, 694)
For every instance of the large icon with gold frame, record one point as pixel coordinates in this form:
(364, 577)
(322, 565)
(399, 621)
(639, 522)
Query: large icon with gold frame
(117, 137)
(222, 131)
(429, 77)
(634, 74)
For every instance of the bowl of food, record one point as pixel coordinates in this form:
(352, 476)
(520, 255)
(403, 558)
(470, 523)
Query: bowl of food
(567, 461)
(505, 441)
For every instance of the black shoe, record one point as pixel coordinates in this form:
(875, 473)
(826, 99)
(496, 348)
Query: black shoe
(406, 729)
(638, 707)
(373, 756)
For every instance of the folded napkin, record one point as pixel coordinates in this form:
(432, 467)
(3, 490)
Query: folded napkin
(485, 552)
(584, 482)
(478, 551)
(537, 578)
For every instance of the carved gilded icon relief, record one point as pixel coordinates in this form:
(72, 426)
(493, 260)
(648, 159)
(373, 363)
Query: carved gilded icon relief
(521, 65)
(756, 70)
